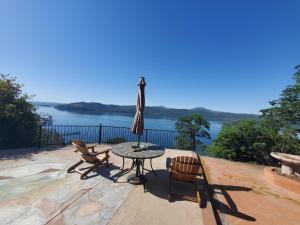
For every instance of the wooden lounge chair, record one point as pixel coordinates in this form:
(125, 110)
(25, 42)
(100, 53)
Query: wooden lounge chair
(184, 169)
(89, 155)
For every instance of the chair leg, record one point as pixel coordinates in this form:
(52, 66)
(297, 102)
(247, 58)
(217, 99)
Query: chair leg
(88, 171)
(71, 169)
(107, 159)
(197, 192)
(170, 195)
(188, 198)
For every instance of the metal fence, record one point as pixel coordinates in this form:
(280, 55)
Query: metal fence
(63, 134)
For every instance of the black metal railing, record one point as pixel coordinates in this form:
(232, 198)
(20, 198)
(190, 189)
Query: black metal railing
(63, 134)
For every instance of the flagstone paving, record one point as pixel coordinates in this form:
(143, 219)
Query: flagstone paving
(40, 191)
(36, 189)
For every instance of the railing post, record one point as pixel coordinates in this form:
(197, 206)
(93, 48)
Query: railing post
(100, 134)
(194, 141)
(146, 135)
(40, 136)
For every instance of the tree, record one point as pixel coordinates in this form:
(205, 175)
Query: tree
(18, 117)
(193, 129)
(285, 111)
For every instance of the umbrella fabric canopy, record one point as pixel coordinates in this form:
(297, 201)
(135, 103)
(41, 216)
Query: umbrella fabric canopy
(138, 122)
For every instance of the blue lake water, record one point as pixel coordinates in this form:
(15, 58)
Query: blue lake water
(69, 118)
(163, 138)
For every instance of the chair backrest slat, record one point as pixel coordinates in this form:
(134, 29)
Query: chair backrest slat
(186, 164)
(84, 152)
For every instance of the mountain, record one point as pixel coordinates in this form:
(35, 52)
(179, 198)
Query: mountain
(94, 108)
(45, 104)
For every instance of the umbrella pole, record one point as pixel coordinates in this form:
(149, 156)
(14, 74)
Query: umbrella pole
(138, 145)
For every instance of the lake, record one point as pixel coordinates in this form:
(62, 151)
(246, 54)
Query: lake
(91, 134)
(69, 118)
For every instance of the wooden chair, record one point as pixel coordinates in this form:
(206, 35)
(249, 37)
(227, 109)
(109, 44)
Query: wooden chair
(184, 169)
(96, 158)
(78, 142)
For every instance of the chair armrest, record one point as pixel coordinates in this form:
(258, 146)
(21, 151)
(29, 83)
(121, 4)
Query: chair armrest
(93, 153)
(101, 151)
(91, 146)
(96, 153)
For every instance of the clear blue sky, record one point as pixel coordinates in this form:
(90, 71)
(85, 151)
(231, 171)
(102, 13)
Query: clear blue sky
(223, 55)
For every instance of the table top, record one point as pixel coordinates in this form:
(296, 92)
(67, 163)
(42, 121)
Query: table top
(125, 150)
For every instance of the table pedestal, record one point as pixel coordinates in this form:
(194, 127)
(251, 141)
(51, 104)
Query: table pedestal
(138, 177)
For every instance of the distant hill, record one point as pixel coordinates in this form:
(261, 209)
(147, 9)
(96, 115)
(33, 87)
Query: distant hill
(46, 104)
(94, 108)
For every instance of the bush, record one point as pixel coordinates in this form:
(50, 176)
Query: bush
(116, 140)
(50, 137)
(18, 117)
(250, 141)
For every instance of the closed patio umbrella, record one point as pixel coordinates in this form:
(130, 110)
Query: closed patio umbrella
(138, 122)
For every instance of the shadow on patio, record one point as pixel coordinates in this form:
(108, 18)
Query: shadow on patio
(158, 186)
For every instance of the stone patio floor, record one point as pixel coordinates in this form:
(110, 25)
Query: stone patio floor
(243, 196)
(36, 189)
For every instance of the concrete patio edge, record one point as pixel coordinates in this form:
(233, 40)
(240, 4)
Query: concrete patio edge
(219, 218)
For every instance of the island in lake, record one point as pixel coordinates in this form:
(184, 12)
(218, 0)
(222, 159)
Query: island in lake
(94, 108)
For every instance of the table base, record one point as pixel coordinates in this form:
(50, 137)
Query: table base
(133, 179)
(138, 177)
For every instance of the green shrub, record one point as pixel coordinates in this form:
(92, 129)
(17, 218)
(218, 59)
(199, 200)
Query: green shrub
(250, 141)
(116, 140)
(50, 137)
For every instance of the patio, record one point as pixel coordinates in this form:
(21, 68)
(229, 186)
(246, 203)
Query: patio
(242, 195)
(36, 189)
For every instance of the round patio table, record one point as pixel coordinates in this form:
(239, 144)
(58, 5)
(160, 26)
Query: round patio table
(138, 156)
